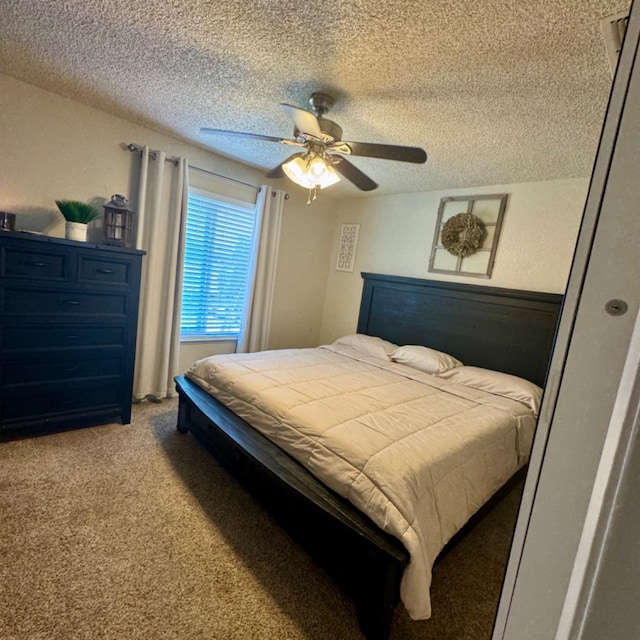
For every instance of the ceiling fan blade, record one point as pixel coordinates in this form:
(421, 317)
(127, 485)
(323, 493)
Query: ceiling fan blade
(255, 136)
(305, 121)
(352, 173)
(278, 172)
(384, 151)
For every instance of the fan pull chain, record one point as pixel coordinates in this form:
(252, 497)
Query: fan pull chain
(313, 191)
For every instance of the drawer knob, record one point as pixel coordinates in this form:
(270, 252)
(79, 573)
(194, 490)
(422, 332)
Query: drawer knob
(36, 264)
(72, 302)
(72, 337)
(70, 369)
(104, 270)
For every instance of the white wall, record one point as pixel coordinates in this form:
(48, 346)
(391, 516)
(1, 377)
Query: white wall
(396, 232)
(53, 148)
(303, 268)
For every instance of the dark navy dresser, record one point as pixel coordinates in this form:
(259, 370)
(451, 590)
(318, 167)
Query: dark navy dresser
(68, 320)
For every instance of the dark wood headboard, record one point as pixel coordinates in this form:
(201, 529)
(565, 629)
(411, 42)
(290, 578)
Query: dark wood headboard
(503, 329)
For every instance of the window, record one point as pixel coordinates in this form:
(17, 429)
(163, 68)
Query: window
(218, 245)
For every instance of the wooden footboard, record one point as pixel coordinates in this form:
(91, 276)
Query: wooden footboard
(367, 562)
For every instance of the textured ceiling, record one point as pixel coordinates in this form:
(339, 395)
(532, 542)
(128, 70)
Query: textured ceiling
(496, 91)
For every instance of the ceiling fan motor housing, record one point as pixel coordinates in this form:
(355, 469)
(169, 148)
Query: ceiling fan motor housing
(331, 131)
(320, 104)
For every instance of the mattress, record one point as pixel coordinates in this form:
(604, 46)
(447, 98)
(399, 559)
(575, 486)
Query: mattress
(416, 453)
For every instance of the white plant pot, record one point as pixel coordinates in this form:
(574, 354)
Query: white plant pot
(76, 231)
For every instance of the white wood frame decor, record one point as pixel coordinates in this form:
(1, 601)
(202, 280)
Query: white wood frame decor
(347, 247)
(490, 209)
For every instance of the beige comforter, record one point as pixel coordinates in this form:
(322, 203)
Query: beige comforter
(416, 453)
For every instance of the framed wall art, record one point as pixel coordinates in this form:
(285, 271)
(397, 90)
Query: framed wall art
(466, 235)
(347, 247)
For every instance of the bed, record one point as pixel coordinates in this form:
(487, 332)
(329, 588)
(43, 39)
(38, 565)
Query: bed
(501, 330)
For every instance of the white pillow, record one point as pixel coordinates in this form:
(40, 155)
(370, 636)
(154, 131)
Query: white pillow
(500, 384)
(425, 359)
(368, 345)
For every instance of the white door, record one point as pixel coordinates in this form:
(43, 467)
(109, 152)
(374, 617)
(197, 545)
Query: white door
(553, 588)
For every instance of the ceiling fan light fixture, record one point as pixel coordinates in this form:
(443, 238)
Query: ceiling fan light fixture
(310, 171)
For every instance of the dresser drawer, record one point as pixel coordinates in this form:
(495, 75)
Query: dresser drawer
(25, 337)
(19, 301)
(35, 264)
(49, 399)
(101, 271)
(54, 366)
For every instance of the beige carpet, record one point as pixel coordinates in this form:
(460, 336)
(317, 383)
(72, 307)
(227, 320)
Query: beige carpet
(126, 532)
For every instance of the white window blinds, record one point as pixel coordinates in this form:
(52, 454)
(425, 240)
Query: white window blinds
(218, 244)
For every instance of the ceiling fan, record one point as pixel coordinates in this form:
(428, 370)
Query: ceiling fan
(324, 158)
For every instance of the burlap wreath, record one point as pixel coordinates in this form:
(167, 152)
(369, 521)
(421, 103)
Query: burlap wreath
(463, 234)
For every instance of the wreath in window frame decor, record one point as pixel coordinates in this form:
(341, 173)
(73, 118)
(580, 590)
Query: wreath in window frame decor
(463, 234)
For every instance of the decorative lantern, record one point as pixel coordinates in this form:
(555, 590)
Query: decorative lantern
(118, 222)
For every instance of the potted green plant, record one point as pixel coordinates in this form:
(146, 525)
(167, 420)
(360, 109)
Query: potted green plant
(77, 215)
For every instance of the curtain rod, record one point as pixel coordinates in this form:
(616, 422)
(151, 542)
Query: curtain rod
(136, 148)
(218, 175)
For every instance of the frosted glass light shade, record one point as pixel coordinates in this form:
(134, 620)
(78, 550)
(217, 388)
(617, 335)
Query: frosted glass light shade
(310, 171)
